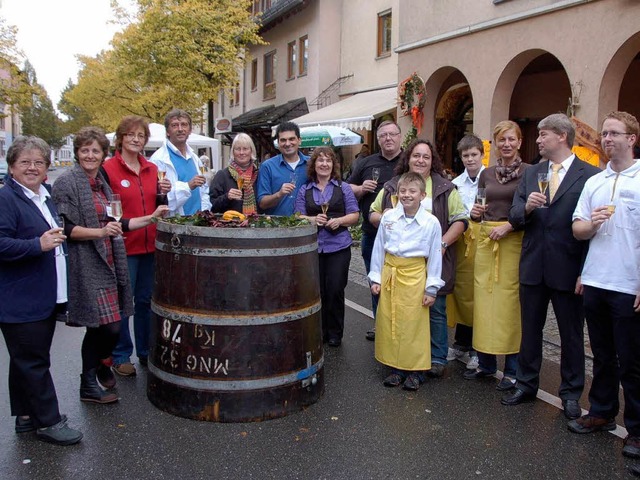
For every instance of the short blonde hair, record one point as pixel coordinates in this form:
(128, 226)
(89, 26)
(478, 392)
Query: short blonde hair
(244, 140)
(504, 126)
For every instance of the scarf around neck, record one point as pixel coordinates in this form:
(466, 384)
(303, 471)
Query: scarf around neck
(249, 174)
(506, 173)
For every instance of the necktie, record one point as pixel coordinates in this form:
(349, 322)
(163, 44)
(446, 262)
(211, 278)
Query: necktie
(554, 181)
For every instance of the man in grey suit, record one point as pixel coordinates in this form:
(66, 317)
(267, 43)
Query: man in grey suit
(550, 263)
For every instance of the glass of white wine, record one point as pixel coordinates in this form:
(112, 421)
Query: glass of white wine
(161, 175)
(116, 208)
(481, 198)
(324, 207)
(59, 249)
(543, 184)
(606, 231)
(375, 174)
(292, 180)
(240, 182)
(394, 200)
(204, 169)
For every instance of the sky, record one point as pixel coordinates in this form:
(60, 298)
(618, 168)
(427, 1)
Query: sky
(52, 32)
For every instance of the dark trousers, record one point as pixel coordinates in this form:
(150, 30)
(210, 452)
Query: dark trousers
(568, 307)
(334, 274)
(31, 389)
(614, 332)
(366, 245)
(464, 337)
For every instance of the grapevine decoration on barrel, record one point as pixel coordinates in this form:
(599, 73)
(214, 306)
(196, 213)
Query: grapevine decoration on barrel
(412, 96)
(233, 219)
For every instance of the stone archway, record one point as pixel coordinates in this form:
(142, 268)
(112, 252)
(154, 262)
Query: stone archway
(619, 87)
(451, 109)
(533, 85)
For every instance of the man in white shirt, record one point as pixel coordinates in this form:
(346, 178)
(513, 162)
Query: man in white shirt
(608, 214)
(189, 190)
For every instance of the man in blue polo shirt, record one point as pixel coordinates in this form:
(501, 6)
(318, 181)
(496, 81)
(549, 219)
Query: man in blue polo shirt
(280, 177)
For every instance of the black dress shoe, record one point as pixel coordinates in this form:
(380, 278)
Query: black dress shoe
(334, 342)
(516, 397)
(572, 409)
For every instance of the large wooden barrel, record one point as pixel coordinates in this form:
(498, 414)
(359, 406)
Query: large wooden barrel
(236, 325)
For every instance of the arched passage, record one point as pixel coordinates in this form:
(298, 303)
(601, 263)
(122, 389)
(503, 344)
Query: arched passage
(619, 88)
(533, 85)
(451, 109)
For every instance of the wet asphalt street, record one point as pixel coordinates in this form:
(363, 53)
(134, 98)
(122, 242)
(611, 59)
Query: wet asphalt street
(450, 429)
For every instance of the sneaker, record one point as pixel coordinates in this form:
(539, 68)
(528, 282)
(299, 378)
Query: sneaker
(473, 362)
(125, 369)
(589, 424)
(59, 434)
(436, 371)
(631, 447)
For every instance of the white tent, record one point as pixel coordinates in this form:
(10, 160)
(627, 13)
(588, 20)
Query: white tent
(195, 141)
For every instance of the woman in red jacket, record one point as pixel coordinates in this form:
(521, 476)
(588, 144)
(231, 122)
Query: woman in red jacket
(136, 181)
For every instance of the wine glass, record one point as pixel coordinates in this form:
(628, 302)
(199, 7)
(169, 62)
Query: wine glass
(543, 183)
(59, 250)
(116, 208)
(204, 169)
(375, 174)
(611, 208)
(240, 182)
(394, 200)
(161, 175)
(325, 207)
(292, 180)
(481, 198)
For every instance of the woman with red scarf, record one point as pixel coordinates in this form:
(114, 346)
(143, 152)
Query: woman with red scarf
(233, 188)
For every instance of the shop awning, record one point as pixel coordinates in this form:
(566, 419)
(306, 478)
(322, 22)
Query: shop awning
(355, 112)
(269, 116)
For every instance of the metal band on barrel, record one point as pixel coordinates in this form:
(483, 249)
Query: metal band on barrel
(236, 320)
(236, 385)
(237, 252)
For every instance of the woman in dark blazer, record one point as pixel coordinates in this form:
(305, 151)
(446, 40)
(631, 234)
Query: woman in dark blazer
(33, 281)
(233, 188)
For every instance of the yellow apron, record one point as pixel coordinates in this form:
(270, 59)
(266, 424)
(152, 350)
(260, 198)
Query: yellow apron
(460, 302)
(496, 313)
(403, 337)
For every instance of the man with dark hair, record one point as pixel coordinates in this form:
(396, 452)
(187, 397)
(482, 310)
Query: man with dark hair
(608, 215)
(280, 177)
(368, 177)
(189, 190)
(550, 263)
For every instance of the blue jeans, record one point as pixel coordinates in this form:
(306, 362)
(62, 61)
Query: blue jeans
(141, 272)
(366, 246)
(439, 330)
(487, 362)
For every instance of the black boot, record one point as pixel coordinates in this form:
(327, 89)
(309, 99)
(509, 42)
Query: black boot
(90, 391)
(105, 376)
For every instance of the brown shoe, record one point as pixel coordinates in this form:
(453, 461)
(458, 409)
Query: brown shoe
(589, 424)
(125, 369)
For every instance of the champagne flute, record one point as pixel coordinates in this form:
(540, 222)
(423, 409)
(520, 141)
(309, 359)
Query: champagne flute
(481, 198)
(116, 208)
(611, 208)
(292, 180)
(204, 169)
(394, 200)
(161, 175)
(375, 174)
(543, 183)
(325, 207)
(59, 250)
(240, 182)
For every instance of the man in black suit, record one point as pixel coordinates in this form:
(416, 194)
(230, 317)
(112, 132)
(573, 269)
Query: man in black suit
(550, 263)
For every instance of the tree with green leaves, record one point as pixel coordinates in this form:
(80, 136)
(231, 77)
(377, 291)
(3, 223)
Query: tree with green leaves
(173, 53)
(40, 118)
(15, 89)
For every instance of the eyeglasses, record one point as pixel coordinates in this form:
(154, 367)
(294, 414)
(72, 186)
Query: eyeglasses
(382, 136)
(612, 134)
(135, 136)
(39, 164)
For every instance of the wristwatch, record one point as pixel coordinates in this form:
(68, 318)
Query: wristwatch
(444, 245)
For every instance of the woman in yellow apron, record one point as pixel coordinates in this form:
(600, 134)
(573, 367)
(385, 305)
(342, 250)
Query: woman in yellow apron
(496, 309)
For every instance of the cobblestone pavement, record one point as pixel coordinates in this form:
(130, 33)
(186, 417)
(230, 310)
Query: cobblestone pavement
(551, 345)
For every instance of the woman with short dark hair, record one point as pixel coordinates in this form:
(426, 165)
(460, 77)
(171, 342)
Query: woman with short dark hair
(33, 279)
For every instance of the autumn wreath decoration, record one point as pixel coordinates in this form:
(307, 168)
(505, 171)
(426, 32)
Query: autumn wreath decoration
(413, 96)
